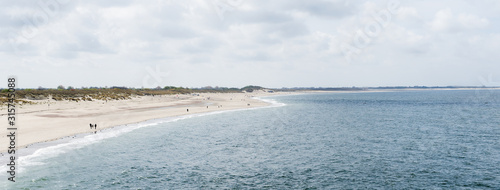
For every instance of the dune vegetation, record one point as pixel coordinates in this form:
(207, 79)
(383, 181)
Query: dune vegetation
(104, 94)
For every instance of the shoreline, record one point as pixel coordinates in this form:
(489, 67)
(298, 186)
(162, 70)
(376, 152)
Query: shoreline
(37, 152)
(49, 121)
(66, 119)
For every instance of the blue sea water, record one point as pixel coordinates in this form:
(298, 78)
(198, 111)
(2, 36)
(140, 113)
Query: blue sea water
(375, 140)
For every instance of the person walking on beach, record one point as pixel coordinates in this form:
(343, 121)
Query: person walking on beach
(95, 126)
(187, 110)
(91, 126)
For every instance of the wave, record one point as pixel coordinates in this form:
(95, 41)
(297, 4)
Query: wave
(273, 102)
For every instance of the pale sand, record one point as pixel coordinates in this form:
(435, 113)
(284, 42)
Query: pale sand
(41, 122)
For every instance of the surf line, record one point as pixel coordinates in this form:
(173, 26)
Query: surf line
(11, 118)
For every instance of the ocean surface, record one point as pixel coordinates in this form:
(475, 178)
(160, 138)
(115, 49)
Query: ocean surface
(374, 140)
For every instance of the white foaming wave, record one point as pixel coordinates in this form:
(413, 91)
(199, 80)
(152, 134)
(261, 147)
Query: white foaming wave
(273, 102)
(41, 154)
(38, 156)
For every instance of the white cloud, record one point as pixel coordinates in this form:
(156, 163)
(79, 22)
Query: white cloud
(407, 13)
(445, 20)
(472, 21)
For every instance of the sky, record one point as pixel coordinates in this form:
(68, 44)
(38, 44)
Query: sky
(234, 43)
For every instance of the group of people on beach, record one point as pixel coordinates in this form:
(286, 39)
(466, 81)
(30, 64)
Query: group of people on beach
(93, 126)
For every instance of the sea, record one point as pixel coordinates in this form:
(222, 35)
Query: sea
(432, 139)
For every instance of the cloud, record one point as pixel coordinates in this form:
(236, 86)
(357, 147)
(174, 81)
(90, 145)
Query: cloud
(445, 20)
(472, 21)
(407, 13)
(328, 9)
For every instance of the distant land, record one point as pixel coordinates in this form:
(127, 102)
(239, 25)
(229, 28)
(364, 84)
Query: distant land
(121, 93)
(387, 88)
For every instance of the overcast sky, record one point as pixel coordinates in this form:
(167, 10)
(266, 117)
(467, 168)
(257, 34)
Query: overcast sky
(233, 43)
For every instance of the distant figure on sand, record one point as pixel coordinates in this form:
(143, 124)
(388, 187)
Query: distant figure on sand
(187, 110)
(91, 126)
(95, 126)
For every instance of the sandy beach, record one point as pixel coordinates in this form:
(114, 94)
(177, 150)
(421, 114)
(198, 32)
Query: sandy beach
(49, 120)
